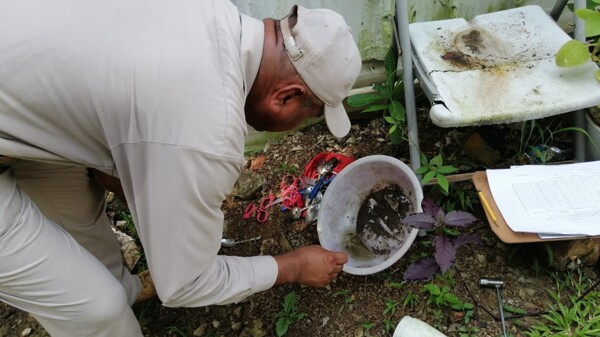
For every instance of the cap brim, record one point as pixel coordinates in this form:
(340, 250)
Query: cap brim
(337, 120)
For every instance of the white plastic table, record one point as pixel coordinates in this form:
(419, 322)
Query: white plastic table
(497, 68)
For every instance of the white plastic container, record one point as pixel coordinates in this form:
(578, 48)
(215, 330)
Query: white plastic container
(343, 198)
(413, 327)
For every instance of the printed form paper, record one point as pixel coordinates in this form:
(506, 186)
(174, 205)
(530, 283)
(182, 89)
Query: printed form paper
(551, 199)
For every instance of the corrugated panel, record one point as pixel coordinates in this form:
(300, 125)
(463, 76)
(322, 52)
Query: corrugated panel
(371, 20)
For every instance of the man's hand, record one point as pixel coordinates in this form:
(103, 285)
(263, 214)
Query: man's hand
(311, 266)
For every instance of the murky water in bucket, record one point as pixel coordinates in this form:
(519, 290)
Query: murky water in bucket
(379, 230)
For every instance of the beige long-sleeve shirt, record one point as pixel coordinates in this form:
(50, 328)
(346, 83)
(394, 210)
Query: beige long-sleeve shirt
(152, 92)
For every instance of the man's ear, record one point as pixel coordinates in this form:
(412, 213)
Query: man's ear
(288, 92)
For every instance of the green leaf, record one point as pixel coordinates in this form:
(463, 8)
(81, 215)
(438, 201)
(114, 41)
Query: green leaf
(396, 135)
(452, 299)
(432, 289)
(359, 100)
(376, 107)
(572, 54)
(592, 25)
(514, 310)
(427, 177)
(437, 160)
(423, 159)
(447, 169)
(398, 92)
(584, 13)
(443, 183)
(281, 327)
(389, 63)
(381, 89)
(393, 128)
(456, 307)
(397, 110)
(390, 120)
(422, 170)
(290, 300)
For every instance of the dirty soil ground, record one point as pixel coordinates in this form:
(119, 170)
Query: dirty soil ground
(369, 305)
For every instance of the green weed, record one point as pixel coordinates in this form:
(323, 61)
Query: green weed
(468, 331)
(441, 296)
(536, 137)
(287, 168)
(571, 313)
(288, 315)
(129, 227)
(435, 169)
(387, 97)
(346, 294)
(389, 311)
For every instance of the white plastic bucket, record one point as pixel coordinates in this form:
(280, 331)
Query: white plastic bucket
(343, 198)
(413, 327)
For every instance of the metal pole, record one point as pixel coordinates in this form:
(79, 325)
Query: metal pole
(559, 7)
(409, 90)
(579, 34)
(501, 310)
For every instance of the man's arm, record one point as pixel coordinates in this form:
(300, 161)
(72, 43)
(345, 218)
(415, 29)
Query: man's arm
(311, 266)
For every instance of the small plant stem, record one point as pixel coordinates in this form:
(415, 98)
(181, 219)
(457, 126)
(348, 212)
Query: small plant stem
(587, 292)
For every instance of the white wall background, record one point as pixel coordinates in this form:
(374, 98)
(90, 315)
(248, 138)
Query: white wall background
(371, 20)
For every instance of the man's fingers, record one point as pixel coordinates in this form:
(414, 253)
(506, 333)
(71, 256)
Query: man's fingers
(340, 257)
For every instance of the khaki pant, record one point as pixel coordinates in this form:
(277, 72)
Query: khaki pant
(59, 259)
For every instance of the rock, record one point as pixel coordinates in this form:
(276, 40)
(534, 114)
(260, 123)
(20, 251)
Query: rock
(254, 329)
(200, 330)
(478, 149)
(481, 259)
(454, 327)
(270, 247)
(216, 324)
(26, 332)
(257, 162)
(526, 293)
(574, 253)
(129, 249)
(237, 326)
(248, 185)
(284, 243)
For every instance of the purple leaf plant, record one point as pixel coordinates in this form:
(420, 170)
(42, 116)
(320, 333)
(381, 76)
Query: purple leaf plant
(433, 219)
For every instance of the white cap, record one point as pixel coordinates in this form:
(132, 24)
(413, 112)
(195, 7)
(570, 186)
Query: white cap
(325, 55)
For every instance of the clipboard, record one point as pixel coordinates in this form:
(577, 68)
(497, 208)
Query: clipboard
(496, 220)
